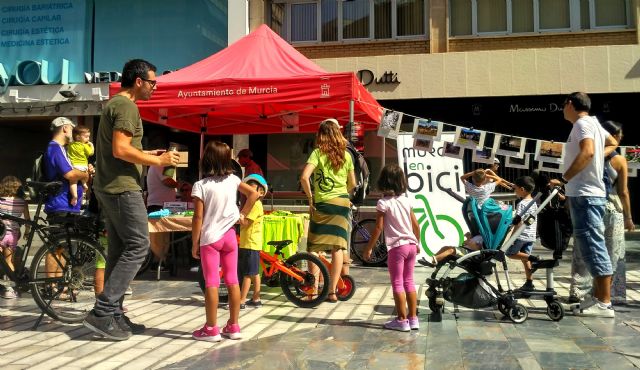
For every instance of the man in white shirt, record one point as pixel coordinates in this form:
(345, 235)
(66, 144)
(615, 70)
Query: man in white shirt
(582, 175)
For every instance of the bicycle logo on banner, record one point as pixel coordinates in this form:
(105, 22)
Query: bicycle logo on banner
(444, 228)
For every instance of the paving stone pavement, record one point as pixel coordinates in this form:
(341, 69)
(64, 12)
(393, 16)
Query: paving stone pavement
(347, 335)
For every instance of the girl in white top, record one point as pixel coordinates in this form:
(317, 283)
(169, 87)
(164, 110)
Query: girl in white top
(401, 234)
(214, 236)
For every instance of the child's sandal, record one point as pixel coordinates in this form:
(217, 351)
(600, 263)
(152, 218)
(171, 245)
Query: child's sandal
(330, 300)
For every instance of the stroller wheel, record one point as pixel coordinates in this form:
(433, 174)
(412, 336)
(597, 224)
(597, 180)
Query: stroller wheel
(555, 311)
(518, 313)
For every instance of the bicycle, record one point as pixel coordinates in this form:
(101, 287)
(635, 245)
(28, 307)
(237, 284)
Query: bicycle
(303, 277)
(61, 276)
(360, 236)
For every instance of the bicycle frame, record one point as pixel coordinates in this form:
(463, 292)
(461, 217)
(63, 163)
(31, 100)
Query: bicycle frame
(276, 264)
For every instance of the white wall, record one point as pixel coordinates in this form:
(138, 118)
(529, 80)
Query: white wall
(238, 23)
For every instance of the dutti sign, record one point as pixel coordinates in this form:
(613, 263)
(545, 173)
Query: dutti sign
(44, 42)
(429, 176)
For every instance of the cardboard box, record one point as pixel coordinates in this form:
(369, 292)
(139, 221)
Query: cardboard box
(184, 159)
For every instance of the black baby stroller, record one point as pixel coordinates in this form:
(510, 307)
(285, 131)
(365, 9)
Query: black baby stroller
(471, 288)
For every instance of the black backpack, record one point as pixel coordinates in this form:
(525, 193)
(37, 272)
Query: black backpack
(361, 170)
(37, 171)
(37, 174)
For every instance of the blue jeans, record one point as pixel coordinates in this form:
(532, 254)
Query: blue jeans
(588, 233)
(128, 237)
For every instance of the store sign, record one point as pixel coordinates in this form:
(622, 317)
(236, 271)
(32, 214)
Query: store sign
(367, 77)
(542, 108)
(38, 39)
(429, 176)
(33, 72)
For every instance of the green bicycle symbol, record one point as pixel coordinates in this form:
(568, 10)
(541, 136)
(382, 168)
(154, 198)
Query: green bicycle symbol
(426, 218)
(325, 184)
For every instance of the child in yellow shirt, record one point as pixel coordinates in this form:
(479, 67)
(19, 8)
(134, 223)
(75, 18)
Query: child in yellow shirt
(251, 245)
(79, 151)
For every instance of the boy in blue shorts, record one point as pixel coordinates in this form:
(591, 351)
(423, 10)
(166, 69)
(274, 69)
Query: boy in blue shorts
(521, 249)
(251, 245)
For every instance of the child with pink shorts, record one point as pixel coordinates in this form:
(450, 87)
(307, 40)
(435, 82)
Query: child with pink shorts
(401, 234)
(214, 236)
(11, 203)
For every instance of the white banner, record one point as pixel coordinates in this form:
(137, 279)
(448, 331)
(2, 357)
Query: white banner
(429, 174)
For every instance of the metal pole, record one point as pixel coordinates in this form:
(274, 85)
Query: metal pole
(351, 114)
(203, 130)
(384, 155)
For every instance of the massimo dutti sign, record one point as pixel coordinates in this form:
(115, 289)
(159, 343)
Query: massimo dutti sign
(367, 77)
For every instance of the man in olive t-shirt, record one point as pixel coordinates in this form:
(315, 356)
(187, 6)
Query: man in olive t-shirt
(119, 160)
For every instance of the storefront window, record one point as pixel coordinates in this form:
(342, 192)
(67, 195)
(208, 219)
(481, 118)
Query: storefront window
(285, 162)
(410, 17)
(492, 16)
(329, 13)
(382, 22)
(304, 22)
(554, 14)
(355, 19)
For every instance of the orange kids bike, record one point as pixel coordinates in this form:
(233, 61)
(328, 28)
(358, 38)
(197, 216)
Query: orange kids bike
(303, 277)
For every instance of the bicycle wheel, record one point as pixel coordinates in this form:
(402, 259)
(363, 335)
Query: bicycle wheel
(360, 237)
(63, 275)
(346, 288)
(314, 288)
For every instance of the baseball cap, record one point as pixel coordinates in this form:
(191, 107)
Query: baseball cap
(257, 178)
(496, 160)
(61, 121)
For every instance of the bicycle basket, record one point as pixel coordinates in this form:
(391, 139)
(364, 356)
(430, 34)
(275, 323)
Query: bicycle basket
(468, 291)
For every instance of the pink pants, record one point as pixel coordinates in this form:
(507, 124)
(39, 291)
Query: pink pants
(223, 252)
(401, 261)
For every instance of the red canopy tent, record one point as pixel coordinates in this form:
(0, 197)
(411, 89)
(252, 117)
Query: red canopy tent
(258, 85)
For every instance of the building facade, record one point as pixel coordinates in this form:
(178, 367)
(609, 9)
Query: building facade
(58, 58)
(497, 65)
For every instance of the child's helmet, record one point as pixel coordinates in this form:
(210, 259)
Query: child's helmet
(257, 178)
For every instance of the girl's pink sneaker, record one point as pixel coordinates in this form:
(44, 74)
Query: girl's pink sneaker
(232, 331)
(414, 323)
(207, 334)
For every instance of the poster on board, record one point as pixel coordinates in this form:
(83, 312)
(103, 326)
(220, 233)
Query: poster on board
(429, 175)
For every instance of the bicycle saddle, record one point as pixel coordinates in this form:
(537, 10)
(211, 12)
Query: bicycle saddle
(279, 244)
(45, 188)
